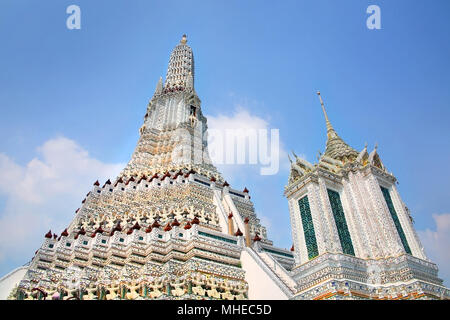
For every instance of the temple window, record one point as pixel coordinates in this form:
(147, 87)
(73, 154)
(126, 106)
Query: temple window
(193, 111)
(341, 223)
(308, 228)
(398, 226)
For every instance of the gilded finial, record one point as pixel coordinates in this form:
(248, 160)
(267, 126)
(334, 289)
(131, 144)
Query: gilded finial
(329, 126)
(183, 39)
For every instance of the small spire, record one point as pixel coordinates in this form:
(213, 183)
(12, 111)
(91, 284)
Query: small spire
(183, 39)
(155, 224)
(159, 86)
(190, 81)
(195, 220)
(330, 128)
(65, 233)
(256, 238)
(136, 226)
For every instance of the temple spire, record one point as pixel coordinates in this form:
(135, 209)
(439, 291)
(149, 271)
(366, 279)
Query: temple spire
(159, 86)
(181, 67)
(336, 148)
(330, 129)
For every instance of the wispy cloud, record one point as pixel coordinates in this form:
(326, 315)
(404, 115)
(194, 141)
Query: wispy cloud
(437, 244)
(266, 190)
(44, 194)
(241, 119)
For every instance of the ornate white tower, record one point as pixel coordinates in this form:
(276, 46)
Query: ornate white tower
(353, 235)
(169, 226)
(173, 135)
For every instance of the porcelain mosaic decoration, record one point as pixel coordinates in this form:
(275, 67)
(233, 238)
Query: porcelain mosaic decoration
(167, 229)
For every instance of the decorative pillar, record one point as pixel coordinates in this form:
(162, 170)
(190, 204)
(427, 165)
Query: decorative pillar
(230, 224)
(248, 241)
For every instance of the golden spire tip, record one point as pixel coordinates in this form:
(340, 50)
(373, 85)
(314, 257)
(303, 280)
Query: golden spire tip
(329, 126)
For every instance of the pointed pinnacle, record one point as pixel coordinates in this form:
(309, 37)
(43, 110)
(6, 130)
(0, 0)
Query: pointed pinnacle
(329, 126)
(289, 157)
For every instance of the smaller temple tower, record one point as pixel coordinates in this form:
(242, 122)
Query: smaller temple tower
(353, 235)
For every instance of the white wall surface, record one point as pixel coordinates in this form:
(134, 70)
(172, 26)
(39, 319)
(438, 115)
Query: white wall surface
(261, 286)
(8, 282)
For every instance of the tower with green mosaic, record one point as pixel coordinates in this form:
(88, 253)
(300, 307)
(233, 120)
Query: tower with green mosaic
(353, 236)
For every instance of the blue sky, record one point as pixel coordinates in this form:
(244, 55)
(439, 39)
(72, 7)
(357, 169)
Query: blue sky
(85, 91)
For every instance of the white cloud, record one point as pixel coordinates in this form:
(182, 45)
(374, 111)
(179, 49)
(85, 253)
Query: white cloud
(242, 120)
(437, 244)
(44, 194)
